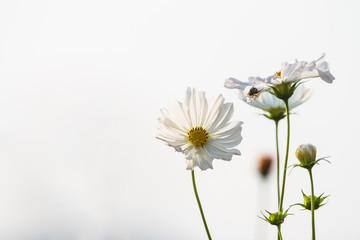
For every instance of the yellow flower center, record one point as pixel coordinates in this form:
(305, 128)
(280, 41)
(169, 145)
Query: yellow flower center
(278, 73)
(198, 136)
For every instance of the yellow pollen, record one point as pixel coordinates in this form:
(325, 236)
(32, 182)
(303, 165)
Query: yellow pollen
(198, 136)
(278, 73)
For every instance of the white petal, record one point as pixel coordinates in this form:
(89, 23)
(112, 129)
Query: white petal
(225, 113)
(326, 76)
(234, 83)
(219, 152)
(230, 135)
(214, 109)
(198, 107)
(300, 96)
(256, 80)
(200, 158)
(178, 113)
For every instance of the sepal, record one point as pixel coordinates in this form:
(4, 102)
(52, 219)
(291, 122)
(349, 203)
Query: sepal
(307, 201)
(284, 90)
(276, 218)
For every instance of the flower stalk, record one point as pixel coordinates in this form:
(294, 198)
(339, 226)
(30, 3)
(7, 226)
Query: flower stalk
(199, 204)
(312, 205)
(279, 237)
(280, 202)
(279, 233)
(286, 155)
(277, 159)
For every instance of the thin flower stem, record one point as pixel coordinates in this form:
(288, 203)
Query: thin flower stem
(199, 204)
(280, 236)
(286, 155)
(312, 205)
(277, 169)
(277, 160)
(285, 164)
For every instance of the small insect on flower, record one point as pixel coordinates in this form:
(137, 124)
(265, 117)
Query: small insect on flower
(253, 90)
(252, 93)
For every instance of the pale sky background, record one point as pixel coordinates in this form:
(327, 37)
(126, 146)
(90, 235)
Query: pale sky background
(81, 86)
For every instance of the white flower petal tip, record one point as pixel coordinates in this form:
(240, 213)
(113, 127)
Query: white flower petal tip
(200, 129)
(234, 83)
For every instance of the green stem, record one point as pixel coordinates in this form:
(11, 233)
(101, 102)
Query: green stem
(199, 204)
(286, 155)
(312, 205)
(280, 236)
(277, 168)
(277, 160)
(285, 164)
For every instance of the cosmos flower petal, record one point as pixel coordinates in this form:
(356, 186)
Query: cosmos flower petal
(170, 133)
(178, 113)
(227, 129)
(213, 151)
(214, 109)
(203, 109)
(198, 107)
(267, 101)
(256, 80)
(288, 68)
(231, 141)
(300, 96)
(225, 113)
(326, 76)
(200, 158)
(234, 83)
(220, 151)
(172, 126)
(175, 143)
(231, 137)
(172, 138)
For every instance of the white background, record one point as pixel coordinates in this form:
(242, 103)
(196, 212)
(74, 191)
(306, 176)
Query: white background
(81, 86)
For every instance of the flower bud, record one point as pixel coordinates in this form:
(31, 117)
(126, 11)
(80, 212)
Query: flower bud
(317, 201)
(276, 114)
(276, 218)
(306, 154)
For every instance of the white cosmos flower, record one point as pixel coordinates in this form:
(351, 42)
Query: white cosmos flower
(289, 73)
(275, 106)
(200, 129)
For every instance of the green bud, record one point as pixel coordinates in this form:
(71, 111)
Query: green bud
(317, 202)
(276, 114)
(306, 154)
(276, 218)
